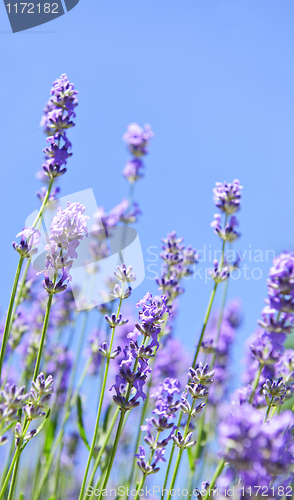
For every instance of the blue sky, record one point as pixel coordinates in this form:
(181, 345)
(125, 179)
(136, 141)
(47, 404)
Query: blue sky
(215, 81)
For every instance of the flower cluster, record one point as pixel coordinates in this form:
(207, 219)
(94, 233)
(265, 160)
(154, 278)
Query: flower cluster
(217, 343)
(134, 369)
(227, 198)
(165, 411)
(256, 451)
(178, 260)
(58, 117)
(67, 228)
(28, 242)
(13, 399)
(197, 388)
(277, 322)
(137, 140)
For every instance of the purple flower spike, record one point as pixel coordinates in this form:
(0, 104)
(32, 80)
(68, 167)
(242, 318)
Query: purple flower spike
(227, 196)
(137, 139)
(28, 243)
(58, 117)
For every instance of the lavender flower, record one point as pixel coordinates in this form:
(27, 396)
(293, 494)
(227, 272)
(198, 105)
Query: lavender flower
(219, 273)
(28, 243)
(137, 138)
(67, 228)
(275, 392)
(178, 260)
(165, 409)
(12, 399)
(257, 451)
(53, 195)
(133, 170)
(58, 115)
(228, 233)
(134, 369)
(227, 196)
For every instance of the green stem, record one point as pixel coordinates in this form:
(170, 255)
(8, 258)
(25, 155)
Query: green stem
(142, 482)
(41, 210)
(70, 390)
(198, 447)
(113, 451)
(143, 414)
(44, 331)
(255, 383)
(119, 430)
(101, 451)
(15, 457)
(207, 314)
(200, 434)
(175, 473)
(217, 473)
(14, 465)
(269, 409)
(149, 463)
(23, 280)
(170, 459)
(59, 436)
(93, 444)
(178, 461)
(13, 479)
(9, 314)
(220, 319)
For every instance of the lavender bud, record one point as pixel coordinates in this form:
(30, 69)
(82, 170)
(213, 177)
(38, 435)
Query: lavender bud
(114, 321)
(124, 274)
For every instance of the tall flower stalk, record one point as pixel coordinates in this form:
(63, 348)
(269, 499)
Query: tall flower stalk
(57, 118)
(227, 198)
(124, 275)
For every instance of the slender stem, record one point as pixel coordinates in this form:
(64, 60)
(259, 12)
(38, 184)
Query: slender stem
(143, 414)
(59, 436)
(145, 406)
(149, 463)
(178, 461)
(44, 331)
(170, 459)
(207, 314)
(200, 433)
(198, 446)
(13, 479)
(220, 319)
(175, 473)
(114, 448)
(70, 390)
(9, 473)
(119, 430)
(14, 466)
(101, 451)
(23, 279)
(41, 210)
(95, 435)
(6, 467)
(269, 408)
(142, 482)
(216, 474)
(9, 314)
(255, 383)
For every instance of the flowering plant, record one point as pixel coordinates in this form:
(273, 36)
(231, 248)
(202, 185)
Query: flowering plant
(153, 410)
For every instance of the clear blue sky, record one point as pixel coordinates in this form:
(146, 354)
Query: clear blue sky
(215, 79)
